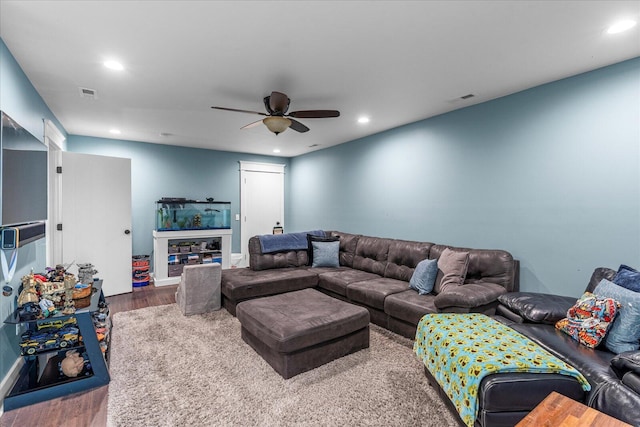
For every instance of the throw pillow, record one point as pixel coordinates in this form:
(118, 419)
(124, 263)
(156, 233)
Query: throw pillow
(314, 238)
(326, 254)
(452, 269)
(589, 319)
(624, 334)
(627, 277)
(424, 276)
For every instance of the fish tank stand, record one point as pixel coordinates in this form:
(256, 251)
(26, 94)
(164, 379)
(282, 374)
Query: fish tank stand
(172, 250)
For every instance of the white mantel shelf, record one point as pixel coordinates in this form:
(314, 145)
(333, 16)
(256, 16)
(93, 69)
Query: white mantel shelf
(161, 251)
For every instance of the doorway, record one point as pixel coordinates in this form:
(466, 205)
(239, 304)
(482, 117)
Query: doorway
(261, 201)
(94, 221)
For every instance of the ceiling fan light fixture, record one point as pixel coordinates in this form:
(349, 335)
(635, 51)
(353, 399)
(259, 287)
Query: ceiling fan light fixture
(277, 124)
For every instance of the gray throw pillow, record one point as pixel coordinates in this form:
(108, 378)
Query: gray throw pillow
(624, 334)
(452, 269)
(314, 238)
(424, 276)
(326, 254)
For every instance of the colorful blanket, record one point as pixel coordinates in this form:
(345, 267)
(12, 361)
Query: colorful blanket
(461, 349)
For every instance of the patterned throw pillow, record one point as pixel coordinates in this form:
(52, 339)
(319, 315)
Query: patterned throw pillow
(589, 319)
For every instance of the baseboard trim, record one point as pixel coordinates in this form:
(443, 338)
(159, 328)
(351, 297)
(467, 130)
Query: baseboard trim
(9, 380)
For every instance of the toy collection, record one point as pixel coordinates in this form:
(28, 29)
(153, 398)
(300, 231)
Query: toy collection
(53, 293)
(57, 290)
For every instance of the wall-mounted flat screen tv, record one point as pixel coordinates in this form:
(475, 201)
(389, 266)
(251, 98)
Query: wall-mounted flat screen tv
(24, 175)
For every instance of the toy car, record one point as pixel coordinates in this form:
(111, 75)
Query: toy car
(32, 346)
(37, 341)
(56, 324)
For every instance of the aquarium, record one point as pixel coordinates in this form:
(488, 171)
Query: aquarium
(182, 214)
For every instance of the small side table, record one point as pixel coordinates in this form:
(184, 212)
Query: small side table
(558, 410)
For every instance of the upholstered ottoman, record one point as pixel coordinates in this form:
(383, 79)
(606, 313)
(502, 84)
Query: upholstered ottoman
(299, 331)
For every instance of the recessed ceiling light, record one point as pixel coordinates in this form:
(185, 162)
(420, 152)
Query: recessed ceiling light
(114, 65)
(621, 26)
(276, 150)
(363, 119)
(115, 131)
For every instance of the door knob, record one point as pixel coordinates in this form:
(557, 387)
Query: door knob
(127, 231)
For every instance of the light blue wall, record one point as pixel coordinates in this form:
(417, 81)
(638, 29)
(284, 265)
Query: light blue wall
(169, 171)
(550, 174)
(20, 100)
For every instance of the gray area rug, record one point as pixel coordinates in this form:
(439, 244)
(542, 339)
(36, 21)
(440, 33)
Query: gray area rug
(171, 370)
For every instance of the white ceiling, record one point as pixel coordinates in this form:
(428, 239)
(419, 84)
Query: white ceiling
(394, 61)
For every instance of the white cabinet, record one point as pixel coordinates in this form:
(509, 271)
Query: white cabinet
(187, 247)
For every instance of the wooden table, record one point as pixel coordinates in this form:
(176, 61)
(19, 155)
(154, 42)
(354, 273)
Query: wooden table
(557, 410)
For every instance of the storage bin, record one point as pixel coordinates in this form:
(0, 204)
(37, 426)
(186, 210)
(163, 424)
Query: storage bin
(140, 270)
(175, 270)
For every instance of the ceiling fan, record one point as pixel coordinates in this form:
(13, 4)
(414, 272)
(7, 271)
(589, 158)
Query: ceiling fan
(277, 120)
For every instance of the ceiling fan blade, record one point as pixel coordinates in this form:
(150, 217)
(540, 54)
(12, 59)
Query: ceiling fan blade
(239, 111)
(252, 125)
(297, 126)
(314, 114)
(279, 102)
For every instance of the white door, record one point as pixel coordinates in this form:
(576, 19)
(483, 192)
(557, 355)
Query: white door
(54, 139)
(261, 201)
(96, 217)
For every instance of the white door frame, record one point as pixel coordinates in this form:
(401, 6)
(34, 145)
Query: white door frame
(254, 167)
(54, 139)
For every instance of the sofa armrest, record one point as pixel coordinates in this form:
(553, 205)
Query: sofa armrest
(629, 361)
(468, 296)
(537, 308)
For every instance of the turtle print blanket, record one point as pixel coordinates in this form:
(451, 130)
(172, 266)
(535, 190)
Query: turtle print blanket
(461, 349)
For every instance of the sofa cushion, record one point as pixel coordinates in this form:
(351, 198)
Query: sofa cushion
(624, 334)
(424, 276)
(259, 261)
(452, 269)
(537, 308)
(243, 283)
(337, 281)
(373, 292)
(325, 254)
(348, 243)
(403, 258)
(589, 319)
(628, 277)
(593, 363)
(599, 274)
(409, 306)
(471, 296)
(492, 266)
(371, 254)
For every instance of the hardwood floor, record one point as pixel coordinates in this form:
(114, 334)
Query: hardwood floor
(89, 408)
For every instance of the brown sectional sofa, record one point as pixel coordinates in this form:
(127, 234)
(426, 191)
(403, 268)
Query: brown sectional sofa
(374, 273)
